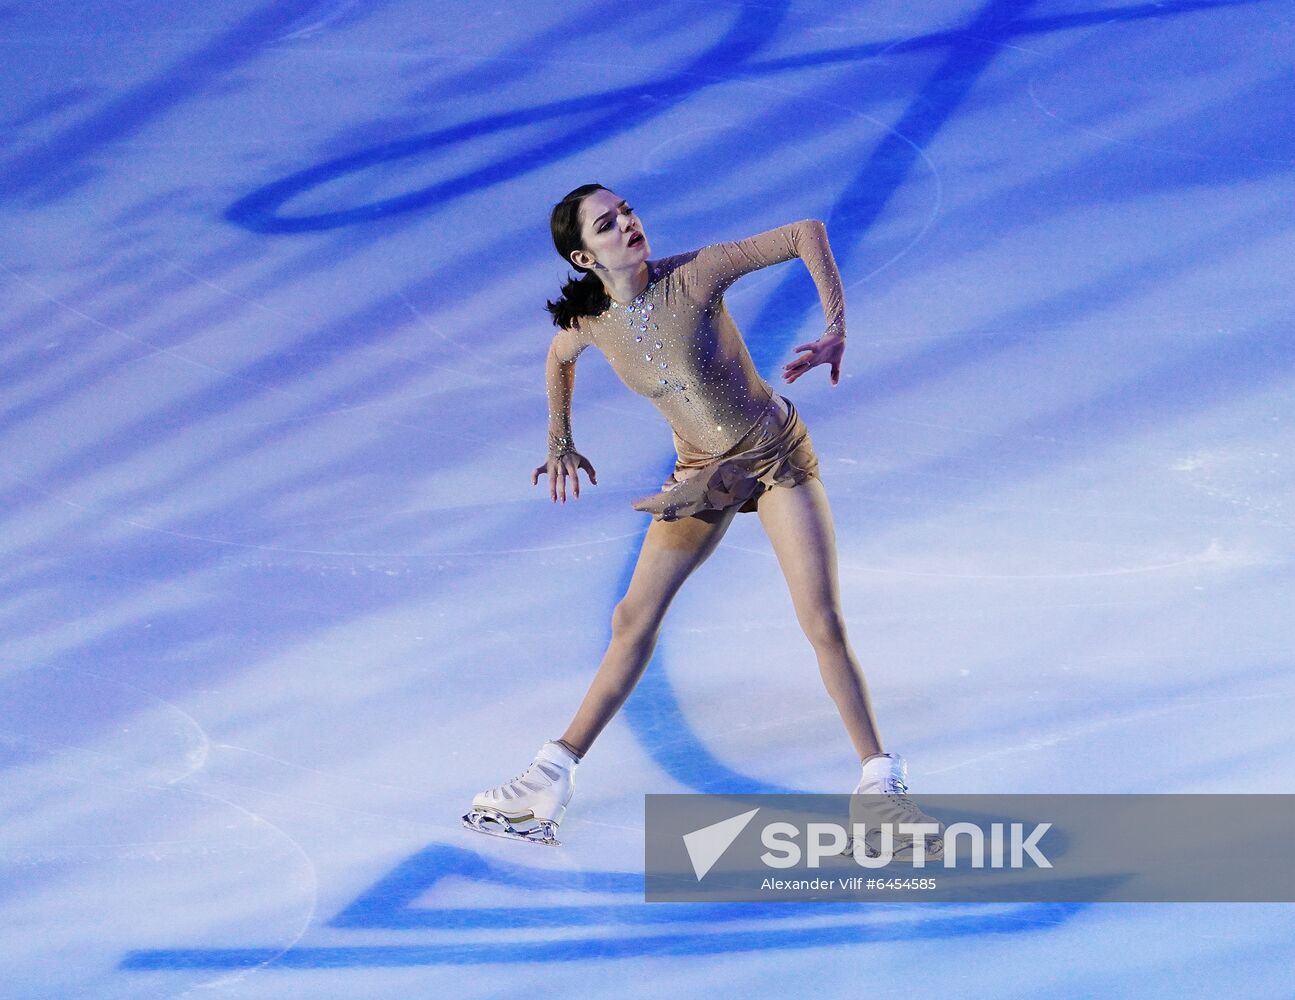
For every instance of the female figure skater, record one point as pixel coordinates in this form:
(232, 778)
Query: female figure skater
(664, 328)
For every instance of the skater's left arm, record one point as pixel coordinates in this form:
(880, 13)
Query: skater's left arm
(716, 267)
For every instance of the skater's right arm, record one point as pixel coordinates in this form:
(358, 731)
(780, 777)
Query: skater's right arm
(560, 378)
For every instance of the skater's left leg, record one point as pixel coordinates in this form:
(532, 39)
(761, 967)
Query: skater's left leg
(798, 521)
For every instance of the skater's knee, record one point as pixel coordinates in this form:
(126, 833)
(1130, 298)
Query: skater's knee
(634, 620)
(824, 627)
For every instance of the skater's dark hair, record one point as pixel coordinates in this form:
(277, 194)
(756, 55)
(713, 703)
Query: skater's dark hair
(586, 295)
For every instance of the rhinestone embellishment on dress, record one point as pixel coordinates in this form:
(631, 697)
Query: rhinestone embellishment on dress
(638, 313)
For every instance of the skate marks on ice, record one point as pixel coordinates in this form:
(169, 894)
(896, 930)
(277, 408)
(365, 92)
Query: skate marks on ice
(164, 744)
(621, 924)
(86, 801)
(1248, 130)
(104, 513)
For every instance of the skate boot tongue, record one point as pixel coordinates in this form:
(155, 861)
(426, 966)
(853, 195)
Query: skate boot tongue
(883, 774)
(555, 753)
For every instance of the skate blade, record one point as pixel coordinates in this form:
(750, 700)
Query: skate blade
(531, 830)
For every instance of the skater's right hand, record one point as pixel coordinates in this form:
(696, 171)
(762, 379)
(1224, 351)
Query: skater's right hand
(559, 468)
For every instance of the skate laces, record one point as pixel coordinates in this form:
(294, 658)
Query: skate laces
(543, 778)
(897, 793)
(511, 783)
(894, 794)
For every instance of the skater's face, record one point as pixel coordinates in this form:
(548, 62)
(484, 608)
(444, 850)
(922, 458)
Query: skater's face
(612, 234)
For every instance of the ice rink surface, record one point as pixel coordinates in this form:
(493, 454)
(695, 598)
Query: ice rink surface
(278, 595)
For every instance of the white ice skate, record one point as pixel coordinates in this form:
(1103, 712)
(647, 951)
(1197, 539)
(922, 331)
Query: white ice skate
(531, 806)
(881, 797)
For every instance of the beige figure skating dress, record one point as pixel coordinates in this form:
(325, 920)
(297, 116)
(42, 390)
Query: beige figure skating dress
(677, 344)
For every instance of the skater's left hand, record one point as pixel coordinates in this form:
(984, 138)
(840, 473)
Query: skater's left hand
(827, 350)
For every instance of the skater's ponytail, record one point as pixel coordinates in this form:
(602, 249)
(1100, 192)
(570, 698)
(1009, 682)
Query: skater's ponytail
(586, 295)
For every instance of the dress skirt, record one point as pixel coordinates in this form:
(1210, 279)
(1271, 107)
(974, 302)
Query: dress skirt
(776, 451)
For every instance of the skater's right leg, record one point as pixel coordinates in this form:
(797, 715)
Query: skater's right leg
(671, 551)
(531, 806)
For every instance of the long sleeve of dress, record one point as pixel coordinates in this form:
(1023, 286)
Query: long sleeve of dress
(716, 267)
(560, 380)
